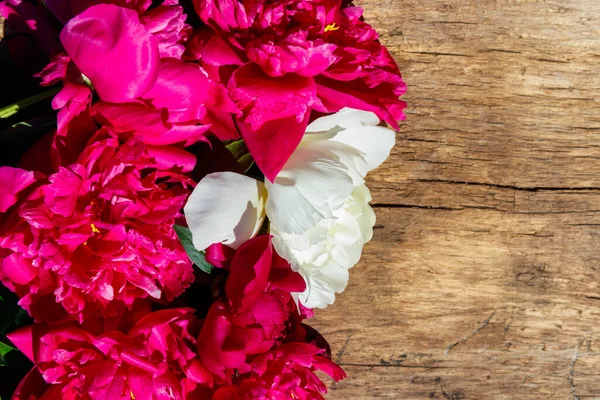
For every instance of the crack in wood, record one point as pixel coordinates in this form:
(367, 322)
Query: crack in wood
(435, 53)
(382, 205)
(343, 349)
(470, 335)
(512, 187)
(571, 375)
(394, 366)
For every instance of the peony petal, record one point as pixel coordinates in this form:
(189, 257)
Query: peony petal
(168, 157)
(374, 142)
(345, 118)
(335, 95)
(111, 47)
(315, 182)
(23, 339)
(12, 182)
(263, 98)
(249, 271)
(218, 52)
(283, 134)
(225, 207)
(181, 88)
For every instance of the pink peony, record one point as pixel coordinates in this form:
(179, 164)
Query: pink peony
(165, 21)
(153, 360)
(281, 59)
(97, 234)
(251, 345)
(129, 54)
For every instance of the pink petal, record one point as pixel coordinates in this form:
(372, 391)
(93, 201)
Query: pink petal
(284, 135)
(23, 339)
(18, 269)
(249, 271)
(335, 95)
(168, 157)
(263, 98)
(12, 182)
(64, 189)
(112, 48)
(197, 373)
(218, 52)
(180, 87)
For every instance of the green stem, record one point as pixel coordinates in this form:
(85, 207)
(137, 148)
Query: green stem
(14, 108)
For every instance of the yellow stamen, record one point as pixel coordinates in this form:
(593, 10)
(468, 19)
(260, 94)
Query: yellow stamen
(331, 27)
(94, 229)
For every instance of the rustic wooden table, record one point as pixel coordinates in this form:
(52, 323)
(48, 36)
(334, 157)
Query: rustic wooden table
(482, 280)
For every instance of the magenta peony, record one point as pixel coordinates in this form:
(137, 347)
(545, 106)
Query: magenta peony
(97, 234)
(253, 341)
(154, 360)
(129, 54)
(285, 372)
(255, 314)
(281, 59)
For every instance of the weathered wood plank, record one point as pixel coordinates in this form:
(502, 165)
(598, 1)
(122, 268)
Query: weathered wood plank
(482, 280)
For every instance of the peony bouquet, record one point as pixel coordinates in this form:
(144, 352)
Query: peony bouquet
(196, 190)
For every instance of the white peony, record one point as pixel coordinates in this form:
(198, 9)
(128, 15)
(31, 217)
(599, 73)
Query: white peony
(317, 205)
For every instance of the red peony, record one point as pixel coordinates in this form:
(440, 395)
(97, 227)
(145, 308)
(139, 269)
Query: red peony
(97, 234)
(285, 372)
(281, 59)
(253, 341)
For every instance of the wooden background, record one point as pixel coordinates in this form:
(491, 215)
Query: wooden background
(482, 280)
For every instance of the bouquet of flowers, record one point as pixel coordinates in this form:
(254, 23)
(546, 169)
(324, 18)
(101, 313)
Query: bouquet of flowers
(196, 192)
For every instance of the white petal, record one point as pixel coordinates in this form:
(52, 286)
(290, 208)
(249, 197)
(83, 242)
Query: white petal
(367, 218)
(345, 118)
(311, 186)
(374, 142)
(321, 286)
(225, 208)
(316, 295)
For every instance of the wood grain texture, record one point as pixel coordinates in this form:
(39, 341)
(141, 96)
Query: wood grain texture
(483, 278)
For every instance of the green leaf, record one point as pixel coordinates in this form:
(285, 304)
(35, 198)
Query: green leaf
(4, 350)
(241, 153)
(197, 257)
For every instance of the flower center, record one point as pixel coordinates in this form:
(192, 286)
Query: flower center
(94, 229)
(331, 27)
